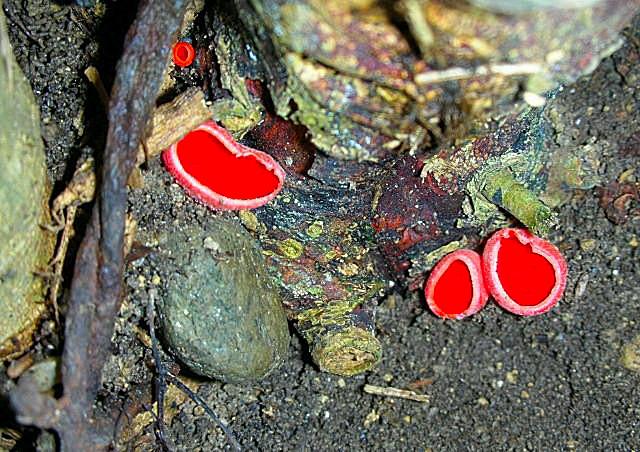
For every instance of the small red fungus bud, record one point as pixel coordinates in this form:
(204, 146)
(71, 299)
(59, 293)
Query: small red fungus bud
(222, 173)
(455, 288)
(183, 54)
(525, 274)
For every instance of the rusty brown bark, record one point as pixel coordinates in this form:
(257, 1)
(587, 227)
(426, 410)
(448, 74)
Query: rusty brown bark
(96, 290)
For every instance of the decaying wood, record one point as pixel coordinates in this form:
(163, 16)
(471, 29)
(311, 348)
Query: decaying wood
(96, 290)
(173, 120)
(328, 214)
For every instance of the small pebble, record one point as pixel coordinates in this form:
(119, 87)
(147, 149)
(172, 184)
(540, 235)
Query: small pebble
(588, 245)
(581, 286)
(630, 358)
(572, 444)
(533, 99)
(372, 417)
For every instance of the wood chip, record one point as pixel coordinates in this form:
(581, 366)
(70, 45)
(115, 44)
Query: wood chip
(17, 367)
(173, 120)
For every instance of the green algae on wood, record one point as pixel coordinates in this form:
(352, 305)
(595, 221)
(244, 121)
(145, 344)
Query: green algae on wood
(503, 190)
(326, 272)
(343, 70)
(346, 72)
(25, 247)
(437, 203)
(346, 352)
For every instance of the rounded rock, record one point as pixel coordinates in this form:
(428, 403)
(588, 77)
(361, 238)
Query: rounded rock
(220, 314)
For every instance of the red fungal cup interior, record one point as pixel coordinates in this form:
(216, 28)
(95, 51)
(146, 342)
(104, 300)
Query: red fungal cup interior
(205, 158)
(525, 274)
(221, 172)
(455, 288)
(527, 277)
(183, 54)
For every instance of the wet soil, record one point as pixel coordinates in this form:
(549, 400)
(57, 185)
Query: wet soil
(495, 381)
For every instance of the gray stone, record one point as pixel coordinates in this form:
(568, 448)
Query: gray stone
(220, 315)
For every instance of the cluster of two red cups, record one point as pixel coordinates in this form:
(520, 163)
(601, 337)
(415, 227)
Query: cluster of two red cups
(523, 273)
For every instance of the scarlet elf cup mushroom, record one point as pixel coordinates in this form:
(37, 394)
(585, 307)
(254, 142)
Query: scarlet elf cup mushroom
(183, 54)
(525, 274)
(455, 288)
(222, 173)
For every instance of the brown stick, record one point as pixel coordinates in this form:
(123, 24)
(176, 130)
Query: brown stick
(96, 290)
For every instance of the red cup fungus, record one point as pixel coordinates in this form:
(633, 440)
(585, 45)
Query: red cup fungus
(183, 54)
(455, 288)
(525, 274)
(222, 173)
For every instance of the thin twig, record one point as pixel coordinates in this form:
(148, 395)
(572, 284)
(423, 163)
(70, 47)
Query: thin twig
(93, 76)
(420, 29)
(460, 73)
(161, 372)
(162, 376)
(59, 259)
(395, 392)
(196, 398)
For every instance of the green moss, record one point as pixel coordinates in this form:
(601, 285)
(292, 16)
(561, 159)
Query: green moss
(240, 113)
(290, 248)
(502, 189)
(315, 229)
(347, 352)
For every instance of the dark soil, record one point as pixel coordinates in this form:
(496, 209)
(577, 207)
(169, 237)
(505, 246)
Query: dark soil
(495, 381)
